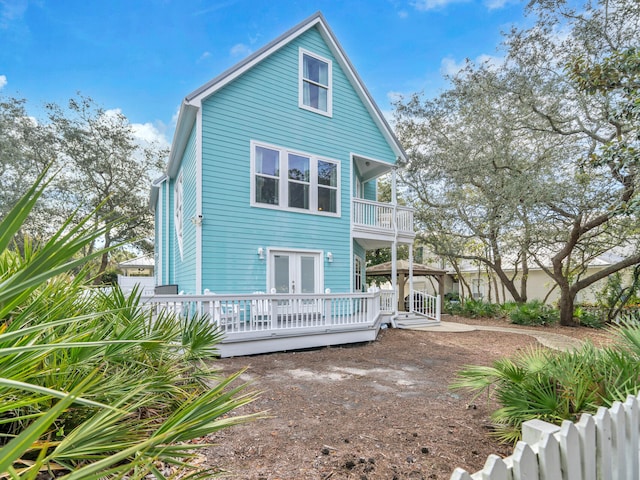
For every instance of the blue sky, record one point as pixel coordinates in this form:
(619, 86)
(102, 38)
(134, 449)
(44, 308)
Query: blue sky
(144, 56)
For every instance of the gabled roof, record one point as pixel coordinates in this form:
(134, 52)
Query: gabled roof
(193, 101)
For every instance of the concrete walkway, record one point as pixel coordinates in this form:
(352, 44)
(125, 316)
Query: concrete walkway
(550, 340)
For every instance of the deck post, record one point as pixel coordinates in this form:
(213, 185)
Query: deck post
(394, 247)
(411, 303)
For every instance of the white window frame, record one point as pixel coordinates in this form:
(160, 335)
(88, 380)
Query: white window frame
(178, 209)
(283, 181)
(301, 81)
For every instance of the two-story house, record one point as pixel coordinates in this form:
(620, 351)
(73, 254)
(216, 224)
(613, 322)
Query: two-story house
(269, 201)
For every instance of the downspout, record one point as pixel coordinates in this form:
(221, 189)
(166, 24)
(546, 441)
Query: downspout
(199, 215)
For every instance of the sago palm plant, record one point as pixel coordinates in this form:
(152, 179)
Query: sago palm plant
(555, 386)
(92, 384)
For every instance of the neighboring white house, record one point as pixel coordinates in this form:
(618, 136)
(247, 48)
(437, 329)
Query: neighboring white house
(137, 271)
(540, 286)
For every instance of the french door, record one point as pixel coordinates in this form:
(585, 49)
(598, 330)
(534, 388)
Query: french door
(295, 272)
(292, 272)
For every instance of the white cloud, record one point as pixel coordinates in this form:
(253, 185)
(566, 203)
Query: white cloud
(240, 50)
(496, 4)
(150, 134)
(204, 56)
(450, 67)
(424, 5)
(144, 134)
(174, 117)
(3, 81)
(12, 11)
(403, 14)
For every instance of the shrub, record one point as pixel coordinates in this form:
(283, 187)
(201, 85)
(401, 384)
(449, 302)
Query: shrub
(555, 386)
(589, 318)
(533, 313)
(90, 383)
(506, 308)
(452, 307)
(452, 297)
(478, 309)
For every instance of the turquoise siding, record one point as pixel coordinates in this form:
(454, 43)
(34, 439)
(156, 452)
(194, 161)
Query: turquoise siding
(370, 190)
(184, 267)
(262, 105)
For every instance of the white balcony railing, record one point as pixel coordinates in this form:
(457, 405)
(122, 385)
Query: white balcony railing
(377, 215)
(275, 313)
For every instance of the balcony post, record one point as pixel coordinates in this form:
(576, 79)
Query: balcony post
(411, 302)
(394, 247)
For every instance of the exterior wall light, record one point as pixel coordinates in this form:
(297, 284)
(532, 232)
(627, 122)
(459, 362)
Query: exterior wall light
(261, 253)
(329, 257)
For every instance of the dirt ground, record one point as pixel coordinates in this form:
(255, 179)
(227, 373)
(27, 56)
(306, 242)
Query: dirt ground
(381, 410)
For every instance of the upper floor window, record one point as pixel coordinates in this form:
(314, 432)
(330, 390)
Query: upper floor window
(178, 202)
(315, 83)
(294, 181)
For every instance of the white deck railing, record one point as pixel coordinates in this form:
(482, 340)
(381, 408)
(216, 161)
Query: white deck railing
(276, 313)
(602, 446)
(387, 301)
(367, 213)
(429, 305)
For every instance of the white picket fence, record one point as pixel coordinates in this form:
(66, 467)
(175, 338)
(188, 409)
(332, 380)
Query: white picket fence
(603, 446)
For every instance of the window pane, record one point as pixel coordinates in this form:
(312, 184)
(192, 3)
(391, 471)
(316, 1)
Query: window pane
(307, 274)
(267, 190)
(298, 168)
(267, 161)
(327, 200)
(315, 96)
(316, 70)
(327, 174)
(298, 195)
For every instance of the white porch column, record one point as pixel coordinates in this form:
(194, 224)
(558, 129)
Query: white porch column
(411, 277)
(394, 247)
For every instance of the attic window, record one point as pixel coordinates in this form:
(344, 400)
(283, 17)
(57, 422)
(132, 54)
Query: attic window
(315, 83)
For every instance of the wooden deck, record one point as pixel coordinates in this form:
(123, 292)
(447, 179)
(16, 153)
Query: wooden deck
(261, 323)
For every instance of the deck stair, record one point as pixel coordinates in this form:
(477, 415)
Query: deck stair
(414, 320)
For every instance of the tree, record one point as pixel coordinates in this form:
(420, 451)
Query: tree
(592, 218)
(107, 170)
(510, 151)
(475, 178)
(26, 149)
(99, 165)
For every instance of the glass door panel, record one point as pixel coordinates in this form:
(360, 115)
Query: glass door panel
(307, 274)
(281, 273)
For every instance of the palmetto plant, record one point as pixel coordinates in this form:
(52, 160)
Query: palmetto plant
(92, 385)
(554, 386)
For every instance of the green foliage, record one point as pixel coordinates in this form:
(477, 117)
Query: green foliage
(533, 313)
(589, 317)
(616, 297)
(452, 297)
(478, 309)
(92, 384)
(555, 386)
(506, 308)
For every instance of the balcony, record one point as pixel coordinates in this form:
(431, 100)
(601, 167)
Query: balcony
(374, 226)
